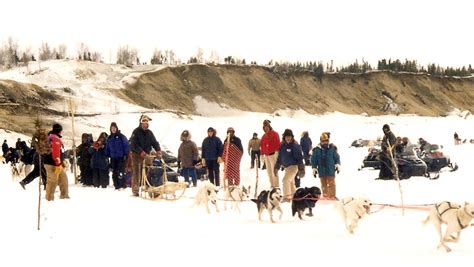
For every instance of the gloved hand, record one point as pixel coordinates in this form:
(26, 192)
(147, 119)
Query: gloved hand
(338, 168)
(301, 171)
(203, 162)
(142, 154)
(219, 160)
(315, 172)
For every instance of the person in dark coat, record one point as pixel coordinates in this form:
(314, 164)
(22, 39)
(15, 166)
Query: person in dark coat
(142, 142)
(325, 161)
(306, 145)
(389, 142)
(5, 148)
(35, 172)
(232, 154)
(84, 159)
(290, 157)
(99, 163)
(212, 155)
(117, 149)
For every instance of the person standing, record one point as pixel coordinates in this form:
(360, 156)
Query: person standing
(142, 142)
(254, 150)
(325, 161)
(389, 140)
(99, 163)
(187, 158)
(84, 159)
(290, 157)
(53, 164)
(232, 154)
(212, 155)
(269, 146)
(117, 149)
(5, 147)
(306, 146)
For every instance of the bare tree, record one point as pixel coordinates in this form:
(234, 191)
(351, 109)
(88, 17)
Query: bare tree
(82, 50)
(157, 57)
(8, 53)
(200, 55)
(127, 55)
(45, 52)
(214, 57)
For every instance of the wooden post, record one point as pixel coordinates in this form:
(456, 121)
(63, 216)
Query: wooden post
(257, 166)
(72, 111)
(395, 172)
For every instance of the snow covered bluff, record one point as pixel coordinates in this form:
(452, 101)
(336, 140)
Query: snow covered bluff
(250, 88)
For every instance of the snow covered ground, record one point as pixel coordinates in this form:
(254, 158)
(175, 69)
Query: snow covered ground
(111, 228)
(103, 226)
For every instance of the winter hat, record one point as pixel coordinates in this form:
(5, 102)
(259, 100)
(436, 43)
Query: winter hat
(144, 117)
(386, 127)
(113, 124)
(255, 134)
(267, 123)
(57, 128)
(288, 132)
(324, 137)
(210, 129)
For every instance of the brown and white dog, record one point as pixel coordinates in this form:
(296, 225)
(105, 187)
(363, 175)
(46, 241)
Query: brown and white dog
(205, 194)
(352, 210)
(269, 200)
(456, 218)
(236, 194)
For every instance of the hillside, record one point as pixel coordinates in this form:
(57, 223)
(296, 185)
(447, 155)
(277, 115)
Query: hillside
(256, 88)
(111, 89)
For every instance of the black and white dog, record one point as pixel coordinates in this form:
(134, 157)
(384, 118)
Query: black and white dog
(269, 200)
(305, 198)
(236, 194)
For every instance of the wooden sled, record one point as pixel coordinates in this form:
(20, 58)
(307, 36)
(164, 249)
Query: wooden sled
(168, 190)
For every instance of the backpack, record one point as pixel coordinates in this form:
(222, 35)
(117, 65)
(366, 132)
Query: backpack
(42, 145)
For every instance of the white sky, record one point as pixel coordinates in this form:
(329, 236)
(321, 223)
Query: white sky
(342, 30)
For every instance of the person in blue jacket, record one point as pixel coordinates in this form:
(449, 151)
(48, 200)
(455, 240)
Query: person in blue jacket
(325, 161)
(212, 155)
(306, 146)
(290, 157)
(117, 149)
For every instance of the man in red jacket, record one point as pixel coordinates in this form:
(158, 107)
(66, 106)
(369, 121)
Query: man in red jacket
(269, 146)
(53, 164)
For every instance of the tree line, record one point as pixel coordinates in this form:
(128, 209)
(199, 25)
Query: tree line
(11, 56)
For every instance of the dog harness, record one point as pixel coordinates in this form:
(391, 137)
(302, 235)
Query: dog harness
(450, 207)
(349, 201)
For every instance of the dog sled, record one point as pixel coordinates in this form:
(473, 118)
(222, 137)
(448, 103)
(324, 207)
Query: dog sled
(160, 181)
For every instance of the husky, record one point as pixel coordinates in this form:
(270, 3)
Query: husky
(352, 210)
(236, 194)
(206, 193)
(305, 198)
(269, 200)
(456, 218)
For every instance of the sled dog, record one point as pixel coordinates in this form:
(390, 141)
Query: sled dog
(305, 198)
(352, 210)
(236, 194)
(269, 200)
(206, 193)
(456, 218)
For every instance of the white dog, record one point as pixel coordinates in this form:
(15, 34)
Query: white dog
(236, 194)
(206, 193)
(456, 218)
(352, 210)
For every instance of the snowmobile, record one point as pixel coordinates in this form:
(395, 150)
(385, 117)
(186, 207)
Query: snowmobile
(436, 160)
(371, 160)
